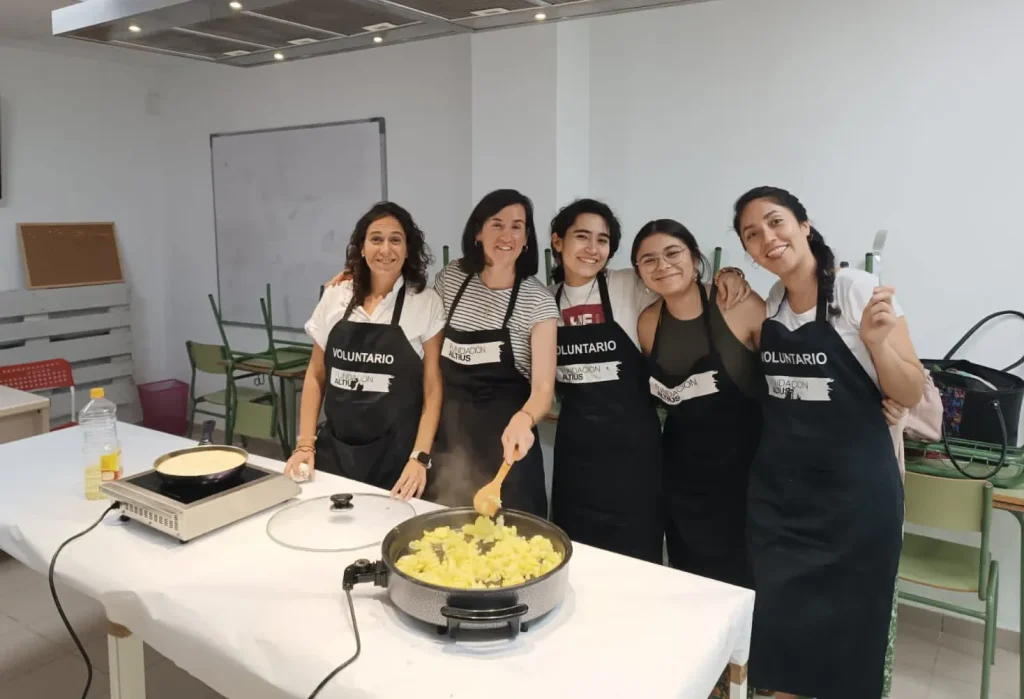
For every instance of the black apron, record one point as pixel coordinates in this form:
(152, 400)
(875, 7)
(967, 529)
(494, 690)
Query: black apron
(709, 441)
(482, 391)
(607, 472)
(373, 400)
(826, 516)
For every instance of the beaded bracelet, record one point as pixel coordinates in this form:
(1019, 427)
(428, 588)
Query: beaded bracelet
(734, 270)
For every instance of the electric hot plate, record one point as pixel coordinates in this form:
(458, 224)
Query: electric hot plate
(186, 512)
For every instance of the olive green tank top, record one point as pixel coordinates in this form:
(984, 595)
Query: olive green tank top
(682, 342)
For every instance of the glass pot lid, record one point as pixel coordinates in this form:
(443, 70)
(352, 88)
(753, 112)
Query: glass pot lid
(341, 522)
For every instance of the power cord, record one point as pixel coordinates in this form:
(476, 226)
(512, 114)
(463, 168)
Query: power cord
(355, 629)
(60, 610)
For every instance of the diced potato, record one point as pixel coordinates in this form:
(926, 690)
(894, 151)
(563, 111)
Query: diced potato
(509, 559)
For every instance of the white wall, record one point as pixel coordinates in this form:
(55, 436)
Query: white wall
(77, 145)
(879, 115)
(423, 92)
(513, 98)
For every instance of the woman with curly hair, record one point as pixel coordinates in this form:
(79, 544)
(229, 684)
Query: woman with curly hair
(374, 366)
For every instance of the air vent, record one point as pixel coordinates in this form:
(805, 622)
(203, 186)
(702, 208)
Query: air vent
(302, 42)
(234, 54)
(489, 11)
(381, 27)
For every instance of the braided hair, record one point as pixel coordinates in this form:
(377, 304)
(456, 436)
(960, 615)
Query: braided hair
(825, 259)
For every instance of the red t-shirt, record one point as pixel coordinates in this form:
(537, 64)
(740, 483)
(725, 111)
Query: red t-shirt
(589, 314)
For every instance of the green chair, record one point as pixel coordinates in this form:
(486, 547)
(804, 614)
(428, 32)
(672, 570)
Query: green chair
(957, 505)
(209, 359)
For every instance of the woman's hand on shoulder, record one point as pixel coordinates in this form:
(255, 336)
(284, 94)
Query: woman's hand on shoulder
(342, 276)
(733, 288)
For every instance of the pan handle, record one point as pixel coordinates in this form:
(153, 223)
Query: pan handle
(458, 616)
(207, 436)
(484, 615)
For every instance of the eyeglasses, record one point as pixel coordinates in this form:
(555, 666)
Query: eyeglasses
(672, 256)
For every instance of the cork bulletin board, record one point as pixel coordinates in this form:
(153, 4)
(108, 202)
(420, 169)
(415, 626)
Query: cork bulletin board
(69, 254)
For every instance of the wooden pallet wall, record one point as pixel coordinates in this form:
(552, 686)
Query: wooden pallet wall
(90, 326)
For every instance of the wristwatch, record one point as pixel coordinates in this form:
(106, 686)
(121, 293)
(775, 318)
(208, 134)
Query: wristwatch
(421, 456)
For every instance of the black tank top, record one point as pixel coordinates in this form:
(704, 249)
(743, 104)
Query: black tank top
(682, 342)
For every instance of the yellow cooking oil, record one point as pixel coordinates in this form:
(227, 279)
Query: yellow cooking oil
(101, 448)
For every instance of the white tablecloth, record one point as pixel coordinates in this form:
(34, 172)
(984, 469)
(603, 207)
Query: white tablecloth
(253, 619)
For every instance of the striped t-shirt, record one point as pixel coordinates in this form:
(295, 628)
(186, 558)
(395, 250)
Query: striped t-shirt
(481, 308)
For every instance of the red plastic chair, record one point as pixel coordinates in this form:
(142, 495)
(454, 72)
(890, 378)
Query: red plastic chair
(41, 376)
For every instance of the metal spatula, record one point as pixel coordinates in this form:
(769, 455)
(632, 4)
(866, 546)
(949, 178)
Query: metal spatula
(876, 251)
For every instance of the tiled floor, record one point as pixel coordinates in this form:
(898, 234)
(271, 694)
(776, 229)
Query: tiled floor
(38, 660)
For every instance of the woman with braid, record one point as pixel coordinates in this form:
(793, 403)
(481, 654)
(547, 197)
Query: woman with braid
(825, 512)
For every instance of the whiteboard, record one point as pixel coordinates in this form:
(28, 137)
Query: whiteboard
(285, 203)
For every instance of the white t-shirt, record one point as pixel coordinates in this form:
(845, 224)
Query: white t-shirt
(853, 290)
(422, 314)
(581, 305)
(484, 309)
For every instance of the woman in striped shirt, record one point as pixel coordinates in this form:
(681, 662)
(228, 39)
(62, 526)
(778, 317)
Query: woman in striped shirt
(497, 360)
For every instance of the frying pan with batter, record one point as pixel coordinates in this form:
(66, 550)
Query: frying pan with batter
(200, 465)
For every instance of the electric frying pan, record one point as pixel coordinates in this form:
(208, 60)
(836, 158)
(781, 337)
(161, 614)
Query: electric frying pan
(217, 472)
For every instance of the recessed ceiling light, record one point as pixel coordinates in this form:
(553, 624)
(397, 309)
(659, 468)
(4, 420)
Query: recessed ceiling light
(377, 39)
(135, 29)
(279, 56)
(539, 16)
(235, 5)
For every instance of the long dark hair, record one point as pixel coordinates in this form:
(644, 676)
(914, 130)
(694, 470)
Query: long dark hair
(417, 258)
(677, 230)
(825, 259)
(473, 260)
(564, 219)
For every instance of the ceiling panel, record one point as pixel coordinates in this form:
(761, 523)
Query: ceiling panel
(182, 42)
(461, 9)
(253, 28)
(335, 15)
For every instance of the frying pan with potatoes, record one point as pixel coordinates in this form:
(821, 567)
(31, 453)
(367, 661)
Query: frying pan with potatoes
(204, 464)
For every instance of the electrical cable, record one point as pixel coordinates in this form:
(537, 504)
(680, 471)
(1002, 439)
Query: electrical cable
(60, 610)
(355, 630)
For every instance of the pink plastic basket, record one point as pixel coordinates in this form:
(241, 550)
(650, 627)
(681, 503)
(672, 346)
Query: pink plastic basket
(165, 406)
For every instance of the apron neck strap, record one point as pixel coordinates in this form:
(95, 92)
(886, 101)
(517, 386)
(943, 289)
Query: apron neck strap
(821, 311)
(396, 315)
(606, 304)
(455, 301)
(706, 308)
(350, 307)
(512, 302)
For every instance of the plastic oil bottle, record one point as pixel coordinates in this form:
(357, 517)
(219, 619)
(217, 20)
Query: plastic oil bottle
(101, 449)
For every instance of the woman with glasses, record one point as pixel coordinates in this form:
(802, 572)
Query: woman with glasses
(607, 460)
(704, 371)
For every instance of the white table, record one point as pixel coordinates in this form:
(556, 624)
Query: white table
(255, 620)
(22, 414)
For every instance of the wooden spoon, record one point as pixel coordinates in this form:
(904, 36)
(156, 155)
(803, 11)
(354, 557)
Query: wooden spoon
(487, 500)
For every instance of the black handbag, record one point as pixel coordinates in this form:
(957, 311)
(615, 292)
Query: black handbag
(979, 403)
